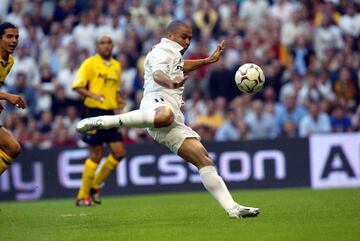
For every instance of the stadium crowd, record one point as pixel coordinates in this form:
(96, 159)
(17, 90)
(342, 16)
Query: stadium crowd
(309, 51)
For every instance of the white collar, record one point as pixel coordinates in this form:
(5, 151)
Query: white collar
(172, 44)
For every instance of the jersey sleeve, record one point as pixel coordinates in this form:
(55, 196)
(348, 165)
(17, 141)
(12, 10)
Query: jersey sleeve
(82, 76)
(160, 60)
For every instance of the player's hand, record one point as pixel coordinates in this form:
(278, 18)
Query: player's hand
(99, 98)
(215, 56)
(16, 100)
(179, 81)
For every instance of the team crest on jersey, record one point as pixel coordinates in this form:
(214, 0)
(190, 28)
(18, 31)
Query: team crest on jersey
(3, 63)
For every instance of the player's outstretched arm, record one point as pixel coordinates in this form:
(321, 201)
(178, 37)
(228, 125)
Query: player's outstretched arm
(190, 65)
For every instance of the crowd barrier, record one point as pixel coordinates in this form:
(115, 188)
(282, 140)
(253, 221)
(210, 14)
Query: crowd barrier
(321, 161)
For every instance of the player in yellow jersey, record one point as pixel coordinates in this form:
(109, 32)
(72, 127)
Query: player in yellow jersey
(9, 146)
(98, 80)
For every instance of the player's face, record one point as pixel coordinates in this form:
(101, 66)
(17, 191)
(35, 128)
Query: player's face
(182, 36)
(9, 40)
(105, 47)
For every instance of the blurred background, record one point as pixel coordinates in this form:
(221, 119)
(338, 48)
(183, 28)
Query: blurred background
(309, 51)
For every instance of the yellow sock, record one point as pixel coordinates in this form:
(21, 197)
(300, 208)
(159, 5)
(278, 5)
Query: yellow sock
(5, 161)
(87, 178)
(109, 165)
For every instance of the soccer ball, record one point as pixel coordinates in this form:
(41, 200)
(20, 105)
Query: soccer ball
(249, 78)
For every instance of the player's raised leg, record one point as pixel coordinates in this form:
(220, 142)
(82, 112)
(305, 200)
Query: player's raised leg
(193, 151)
(162, 116)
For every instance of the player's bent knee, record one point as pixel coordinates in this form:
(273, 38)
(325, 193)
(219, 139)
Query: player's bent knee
(96, 157)
(13, 149)
(164, 117)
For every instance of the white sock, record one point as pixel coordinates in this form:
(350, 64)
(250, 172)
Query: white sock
(136, 119)
(216, 186)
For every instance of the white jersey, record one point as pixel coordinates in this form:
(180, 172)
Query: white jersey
(164, 56)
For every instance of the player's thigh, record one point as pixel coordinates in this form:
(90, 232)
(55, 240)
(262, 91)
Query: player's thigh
(117, 149)
(8, 143)
(96, 152)
(194, 152)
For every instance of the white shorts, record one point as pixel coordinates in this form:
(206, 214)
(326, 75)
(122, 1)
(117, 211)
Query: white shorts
(174, 135)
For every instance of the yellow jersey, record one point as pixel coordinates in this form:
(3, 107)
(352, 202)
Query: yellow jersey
(5, 67)
(99, 77)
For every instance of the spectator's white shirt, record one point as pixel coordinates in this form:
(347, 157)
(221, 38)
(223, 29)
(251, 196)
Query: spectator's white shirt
(327, 38)
(282, 12)
(164, 56)
(290, 31)
(117, 34)
(29, 67)
(263, 127)
(253, 11)
(194, 109)
(308, 125)
(350, 24)
(85, 36)
(15, 19)
(65, 78)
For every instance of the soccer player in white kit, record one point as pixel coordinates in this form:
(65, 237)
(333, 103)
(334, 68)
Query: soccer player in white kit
(160, 112)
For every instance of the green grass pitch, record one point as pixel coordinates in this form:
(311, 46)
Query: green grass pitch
(286, 214)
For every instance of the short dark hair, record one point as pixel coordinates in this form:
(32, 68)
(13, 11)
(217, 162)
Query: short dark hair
(174, 25)
(4, 26)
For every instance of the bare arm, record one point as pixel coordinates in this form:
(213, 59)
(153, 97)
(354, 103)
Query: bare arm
(16, 100)
(190, 65)
(85, 92)
(162, 79)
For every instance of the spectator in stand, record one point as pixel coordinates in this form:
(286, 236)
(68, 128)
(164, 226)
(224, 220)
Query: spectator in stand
(71, 118)
(295, 28)
(310, 91)
(282, 10)
(340, 121)
(21, 88)
(54, 55)
(253, 12)
(350, 21)
(315, 121)
(221, 82)
(194, 106)
(60, 102)
(24, 64)
(301, 54)
(228, 131)
(64, 78)
(85, 32)
(289, 110)
(205, 19)
(212, 119)
(293, 85)
(15, 16)
(328, 35)
(345, 88)
(289, 130)
(45, 125)
(63, 138)
(261, 125)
